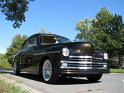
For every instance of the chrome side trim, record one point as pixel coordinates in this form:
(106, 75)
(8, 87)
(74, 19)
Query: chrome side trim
(47, 53)
(80, 57)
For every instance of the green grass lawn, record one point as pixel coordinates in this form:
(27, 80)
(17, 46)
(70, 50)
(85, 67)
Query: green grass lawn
(10, 88)
(117, 70)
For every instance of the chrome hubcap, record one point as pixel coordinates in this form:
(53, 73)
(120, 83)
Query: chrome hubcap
(47, 70)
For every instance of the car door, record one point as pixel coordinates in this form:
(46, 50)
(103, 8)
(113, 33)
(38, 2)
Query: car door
(33, 60)
(23, 56)
(27, 59)
(44, 44)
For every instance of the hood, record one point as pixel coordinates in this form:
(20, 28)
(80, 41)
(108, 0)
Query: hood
(80, 48)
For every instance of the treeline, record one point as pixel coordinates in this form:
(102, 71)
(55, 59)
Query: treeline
(15, 46)
(105, 32)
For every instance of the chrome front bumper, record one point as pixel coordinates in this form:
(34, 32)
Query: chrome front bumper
(83, 64)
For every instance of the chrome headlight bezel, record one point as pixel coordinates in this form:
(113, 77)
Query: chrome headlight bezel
(65, 52)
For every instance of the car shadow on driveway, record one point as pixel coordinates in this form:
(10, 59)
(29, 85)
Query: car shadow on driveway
(67, 81)
(74, 81)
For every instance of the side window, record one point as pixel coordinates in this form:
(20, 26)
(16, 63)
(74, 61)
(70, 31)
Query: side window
(48, 40)
(32, 41)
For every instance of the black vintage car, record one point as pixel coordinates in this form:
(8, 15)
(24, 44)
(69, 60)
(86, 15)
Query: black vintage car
(53, 56)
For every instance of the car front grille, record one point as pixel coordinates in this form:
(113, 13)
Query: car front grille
(84, 65)
(84, 62)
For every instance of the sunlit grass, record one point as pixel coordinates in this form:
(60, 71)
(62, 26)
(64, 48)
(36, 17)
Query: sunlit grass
(117, 70)
(10, 88)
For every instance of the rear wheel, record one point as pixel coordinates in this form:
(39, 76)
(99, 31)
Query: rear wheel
(94, 77)
(49, 72)
(16, 70)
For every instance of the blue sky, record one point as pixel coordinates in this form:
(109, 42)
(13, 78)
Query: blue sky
(56, 16)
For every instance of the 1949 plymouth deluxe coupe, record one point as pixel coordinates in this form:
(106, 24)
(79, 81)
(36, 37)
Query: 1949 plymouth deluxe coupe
(53, 56)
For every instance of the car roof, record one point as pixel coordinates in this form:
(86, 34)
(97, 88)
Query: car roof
(46, 34)
(43, 34)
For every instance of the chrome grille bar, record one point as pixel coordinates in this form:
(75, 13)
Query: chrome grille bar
(83, 62)
(80, 56)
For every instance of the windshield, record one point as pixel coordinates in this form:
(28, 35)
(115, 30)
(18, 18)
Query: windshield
(53, 39)
(63, 39)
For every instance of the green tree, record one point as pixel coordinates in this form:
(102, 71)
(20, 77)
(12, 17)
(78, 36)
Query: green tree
(84, 30)
(15, 46)
(3, 62)
(107, 31)
(14, 10)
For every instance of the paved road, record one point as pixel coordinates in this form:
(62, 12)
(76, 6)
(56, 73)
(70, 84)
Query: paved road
(110, 83)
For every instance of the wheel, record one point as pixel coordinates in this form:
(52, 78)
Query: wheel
(94, 78)
(16, 69)
(49, 72)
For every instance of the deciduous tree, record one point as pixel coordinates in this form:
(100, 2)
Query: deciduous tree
(15, 46)
(14, 10)
(107, 31)
(84, 30)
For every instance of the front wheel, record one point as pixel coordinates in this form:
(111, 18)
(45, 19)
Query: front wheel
(16, 69)
(49, 72)
(94, 77)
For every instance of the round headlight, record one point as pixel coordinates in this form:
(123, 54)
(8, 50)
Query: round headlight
(105, 56)
(65, 52)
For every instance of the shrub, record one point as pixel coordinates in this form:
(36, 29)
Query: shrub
(116, 62)
(4, 62)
